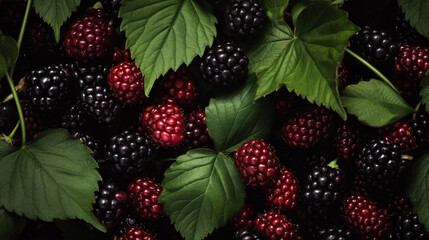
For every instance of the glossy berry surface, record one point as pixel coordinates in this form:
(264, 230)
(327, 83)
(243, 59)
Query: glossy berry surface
(47, 87)
(197, 134)
(128, 152)
(143, 194)
(400, 133)
(244, 19)
(243, 234)
(127, 83)
(109, 204)
(257, 163)
(284, 194)
(224, 65)
(363, 216)
(245, 218)
(137, 233)
(88, 38)
(165, 124)
(275, 226)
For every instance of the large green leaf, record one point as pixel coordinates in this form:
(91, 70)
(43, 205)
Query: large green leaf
(424, 93)
(275, 9)
(375, 103)
(11, 225)
(54, 177)
(164, 34)
(307, 59)
(8, 54)
(417, 188)
(417, 12)
(235, 118)
(55, 12)
(201, 191)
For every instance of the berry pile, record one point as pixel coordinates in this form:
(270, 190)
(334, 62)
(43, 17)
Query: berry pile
(316, 177)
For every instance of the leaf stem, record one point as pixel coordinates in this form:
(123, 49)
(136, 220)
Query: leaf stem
(18, 107)
(334, 163)
(372, 68)
(22, 31)
(10, 137)
(407, 157)
(416, 109)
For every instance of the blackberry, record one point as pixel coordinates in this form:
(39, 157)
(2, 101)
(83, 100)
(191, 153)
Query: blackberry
(408, 227)
(283, 196)
(144, 193)
(380, 162)
(284, 101)
(400, 133)
(343, 79)
(196, 133)
(335, 233)
(244, 19)
(111, 7)
(273, 225)
(34, 121)
(257, 163)
(412, 62)
(100, 104)
(245, 218)
(243, 234)
(74, 117)
(109, 204)
(89, 74)
(375, 46)
(89, 141)
(127, 83)
(47, 87)
(324, 187)
(8, 117)
(128, 151)
(363, 216)
(405, 33)
(420, 128)
(224, 65)
(347, 141)
(11, 15)
(305, 130)
(137, 233)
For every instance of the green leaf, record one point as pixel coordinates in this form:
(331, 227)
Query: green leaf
(275, 9)
(8, 54)
(375, 103)
(424, 93)
(54, 177)
(164, 34)
(76, 229)
(235, 118)
(417, 12)
(306, 60)
(201, 191)
(417, 188)
(55, 12)
(11, 225)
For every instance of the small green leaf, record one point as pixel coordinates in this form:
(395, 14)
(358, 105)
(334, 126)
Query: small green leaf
(375, 103)
(55, 12)
(201, 191)
(417, 12)
(306, 60)
(424, 93)
(11, 225)
(417, 188)
(275, 9)
(8, 54)
(164, 34)
(54, 177)
(235, 118)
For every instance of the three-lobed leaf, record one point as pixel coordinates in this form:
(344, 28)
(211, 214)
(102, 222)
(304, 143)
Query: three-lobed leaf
(375, 103)
(201, 191)
(417, 188)
(417, 12)
(55, 12)
(8, 54)
(307, 59)
(424, 93)
(11, 225)
(164, 34)
(235, 117)
(53, 177)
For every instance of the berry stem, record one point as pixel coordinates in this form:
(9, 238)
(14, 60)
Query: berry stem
(416, 109)
(18, 107)
(372, 68)
(407, 157)
(9, 138)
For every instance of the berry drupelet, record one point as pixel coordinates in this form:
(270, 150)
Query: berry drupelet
(127, 83)
(143, 194)
(283, 195)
